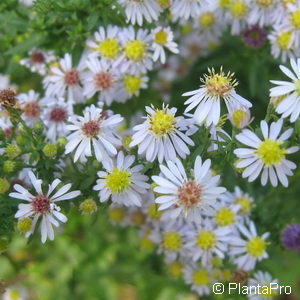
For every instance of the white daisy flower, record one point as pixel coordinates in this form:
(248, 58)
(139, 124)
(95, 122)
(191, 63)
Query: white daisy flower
(293, 20)
(131, 84)
(184, 9)
(199, 278)
(267, 155)
(93, 130)
(15, 292)
(207, 240)
(65, 80)
(54, 116)
(243, 200)
(101, 78)
(269, 287)
(136, 56)
(262, 12)
(162, 135)
(106, 43)
(38, 60)
(30, 107)
(225, 214)
(250, 249)
(136, 11)
(215, 87)
(122, 182)
(42, 205)
(236, 14)
(163, 38)
(290, 104)
(282, 43)
(171, 239)
(189, 196)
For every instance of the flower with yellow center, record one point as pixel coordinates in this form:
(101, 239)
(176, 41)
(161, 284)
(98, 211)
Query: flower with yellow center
(240, 117)
(164, 3)
(116, 214)
(135, 50)
(109, 48)
(172, 241)
(121, 181)
(200, 277)
(153, 212)
(224, 3)
(174, 269)
(215, 87)
(206, 240)
(163, 133)
(207, 19)
(246, 253)
(132, 84)
(160, 37)
(245, 205)
(294, 18)
(238, 9)
(225, 217)
(266, 156)
(265, 3)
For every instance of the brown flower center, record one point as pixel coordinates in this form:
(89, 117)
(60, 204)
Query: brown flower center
(41, 204)
(189, 194)
(90, 128)
(31, 109)
(58, 114)
(37, 57)
(72, 77)
(103, 80)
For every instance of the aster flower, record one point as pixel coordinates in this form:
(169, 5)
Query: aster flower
(65, 80)
(267, 155)
(206, 240)
(249, 248)
(136, 56)
(189, 196)
(101, 78)
(161, 135)
(290, 237)
(255, 36)
(106, 44)
(136, 11)
(163, 38)
(282, 43)
(55, 115)
(93, 130)
(38, 60)
(121, 181)
(42, 205)
(206, 99)
(290, 104)
(268, 287)
(30, 106)
(199, 278)
(262, 12)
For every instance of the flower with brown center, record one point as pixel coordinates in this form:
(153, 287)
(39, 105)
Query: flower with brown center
(189, 194)
(31, 109)
(71, 77)
(91, 128)
(41, 204)
(58, 114)
(103, 80)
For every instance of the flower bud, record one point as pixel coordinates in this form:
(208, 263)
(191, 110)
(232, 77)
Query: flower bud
(50, 150)
(88, 207)
(126, 141)
(240, 118)
(24, 225)
(38, 127)
(4, 185)
(8, 98)
(12, 150)
(61, 141)
(9, 166)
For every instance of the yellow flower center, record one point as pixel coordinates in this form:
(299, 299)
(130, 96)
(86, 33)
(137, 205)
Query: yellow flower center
(14, 295)
(265, 3)
(200, 277)
(206, 240)
(164, 3)
(207, 19)
(270, 153)
(238, 9)
(145, 243)
(224, 217)
(256, 246)
(295, 19)
(118, 180)
(161, 122)
(160, 37)
(244, 203)
(219, 84)
(135, 50)
(171, 241)
(224, 3)
(238, 116)
(284, 39)
(109, 48)
(286, 2)
(175, 269)
(132, 83)
(88, 207)
(297, 86)
(153, 212)
(116, 214)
